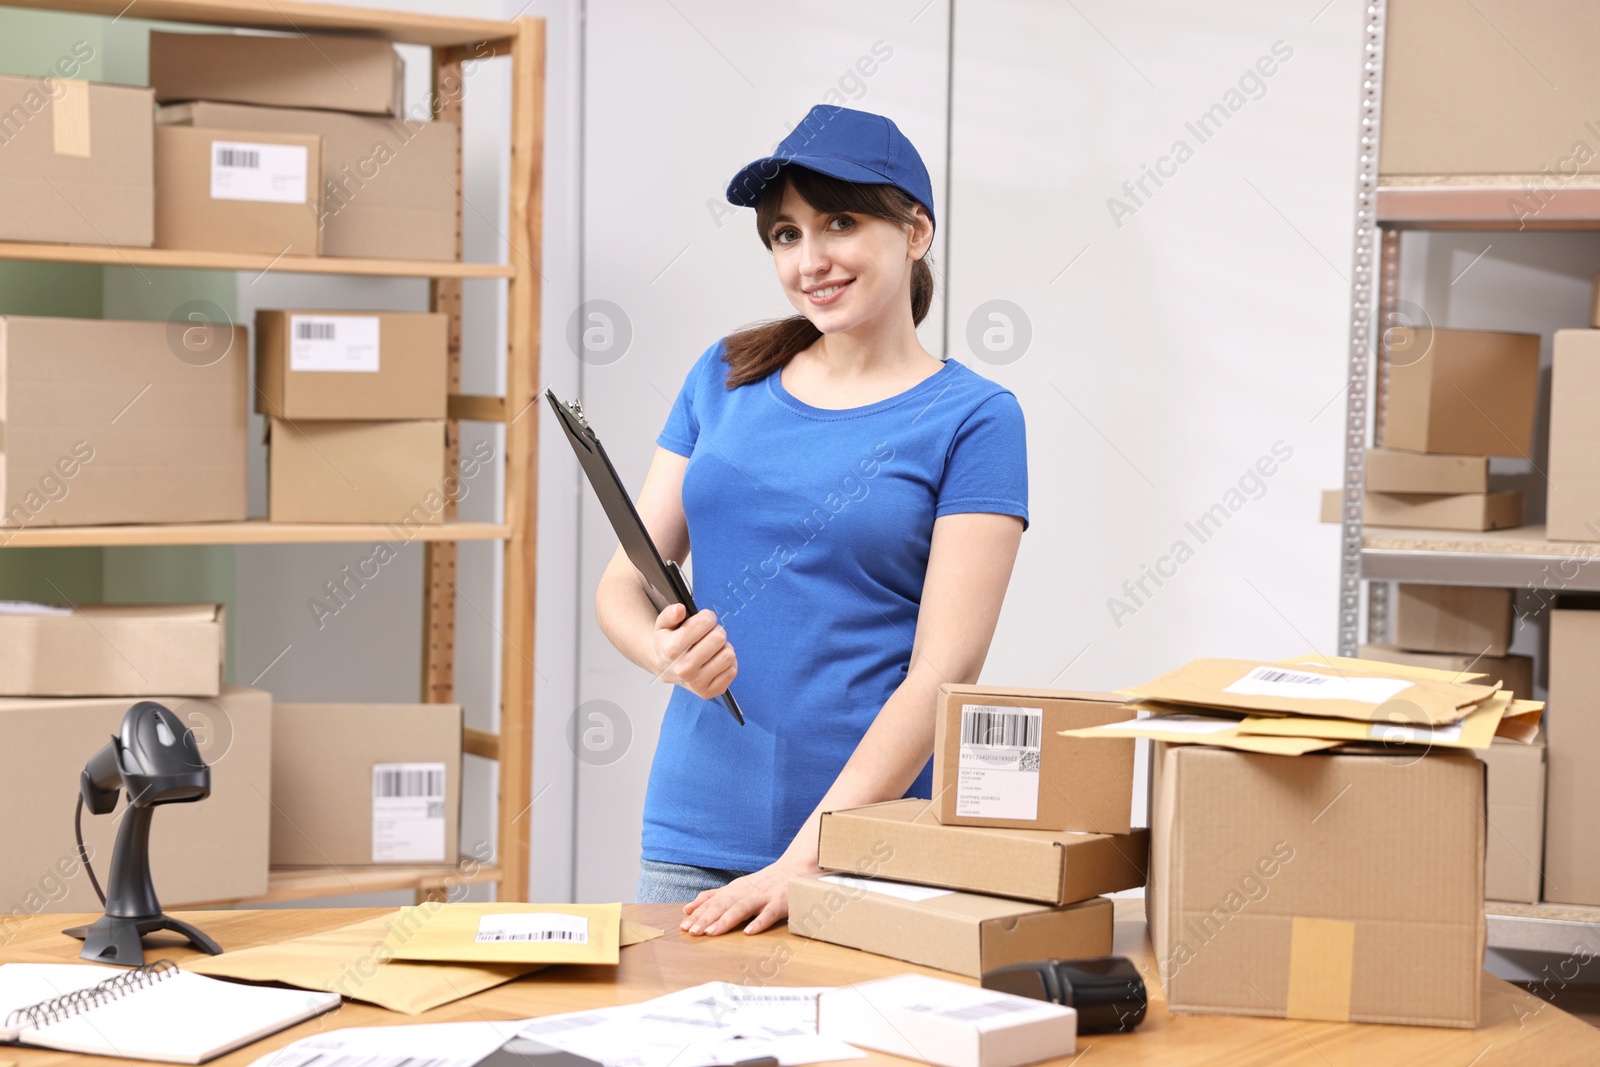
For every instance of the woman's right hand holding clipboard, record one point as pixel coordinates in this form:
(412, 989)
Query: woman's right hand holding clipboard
(694, 652)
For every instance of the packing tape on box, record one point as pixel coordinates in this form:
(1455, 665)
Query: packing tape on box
(70, 115)
(1321, 955)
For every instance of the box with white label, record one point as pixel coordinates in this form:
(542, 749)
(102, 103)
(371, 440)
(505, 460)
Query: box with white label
(357, 784)
(351, 365)
(238, 191)
(999, 760)
(965, 933)
(947, 1023)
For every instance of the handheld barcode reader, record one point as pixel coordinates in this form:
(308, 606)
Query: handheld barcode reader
(156, 760)
(1106, 991)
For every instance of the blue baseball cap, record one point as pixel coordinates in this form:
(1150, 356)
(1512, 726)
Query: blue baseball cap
(855, 146)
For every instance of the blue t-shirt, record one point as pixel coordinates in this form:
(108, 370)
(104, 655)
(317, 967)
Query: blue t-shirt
(809, 532)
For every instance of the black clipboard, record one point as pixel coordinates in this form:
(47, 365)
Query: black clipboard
(663, 578)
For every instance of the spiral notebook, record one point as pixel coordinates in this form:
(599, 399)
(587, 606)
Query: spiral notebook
(155, 1012)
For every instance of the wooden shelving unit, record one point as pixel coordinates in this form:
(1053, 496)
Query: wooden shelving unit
(453, 42)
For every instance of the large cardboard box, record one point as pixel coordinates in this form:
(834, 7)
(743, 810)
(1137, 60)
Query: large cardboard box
(389, 472)
(1571, 845)
(238, 191)
(111, 649)
(1512, 672)
(960, 932)
(210, 850)
(999, 760)
(902, 840)
(76, 163)
(1471, 620)
(1462, 392)
(388, 185)
(1470, 89)
(348, 365)
(114, 422)
(1389, 471)
(1572, 508)
(356, 784)
(360, 74)
(1289, 886)
(1462, 511)
(1515, 850)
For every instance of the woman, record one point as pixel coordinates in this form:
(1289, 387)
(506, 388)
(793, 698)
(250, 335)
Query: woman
(855, 507)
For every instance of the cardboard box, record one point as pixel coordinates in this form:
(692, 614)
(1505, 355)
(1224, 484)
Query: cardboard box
(360, 74)
(391, 472)
(1462, 392)
(999, 760)
(211, 850)
(1572, 722)
(238, 191)
(357, 784)
(345, 365)
(901, 840)
(1472, 620)
(76, 163)
(1514, 854)
(1466, 94)
(388, 185)
(960, 932)
(112, 422)
(1464, 511)
(1512, 672)
(939, 1022)
(1572, 507)
(1286, 886)
(1413, 472)
(112, 650)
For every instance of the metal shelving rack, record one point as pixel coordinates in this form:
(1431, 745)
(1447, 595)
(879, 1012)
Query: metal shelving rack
(452, 41)
(1517, 558)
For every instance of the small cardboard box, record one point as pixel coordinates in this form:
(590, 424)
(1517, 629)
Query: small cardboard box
(1515, 850)
(112, 650)
(901, 839)
(1287, 886)
(1512, 672)
(238, 191)
(76, 162)
(1462, 392)
(999, 760)
(1470, 620)
(1572, 509)
(361, 784)
(1463, 511)
(360, 74)
(209, 851)
(959, 932)
(120, 422)
(345, 365)
(388, 185)
(389, 472)
(1571, 846)
(1414, 472)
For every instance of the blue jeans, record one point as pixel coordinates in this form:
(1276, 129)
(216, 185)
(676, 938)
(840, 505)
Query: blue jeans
(678, 883)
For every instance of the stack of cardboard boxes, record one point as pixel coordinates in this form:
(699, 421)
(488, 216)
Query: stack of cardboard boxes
(1008, 863)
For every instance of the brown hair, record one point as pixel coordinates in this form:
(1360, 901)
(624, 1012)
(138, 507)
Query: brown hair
(756, 351)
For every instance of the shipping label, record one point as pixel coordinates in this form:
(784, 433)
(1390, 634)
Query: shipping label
(334, 343)
(266, 173)
(408, 813)
(997, 776)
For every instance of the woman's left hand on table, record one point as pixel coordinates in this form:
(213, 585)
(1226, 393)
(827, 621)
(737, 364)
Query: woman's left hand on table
(761, 897)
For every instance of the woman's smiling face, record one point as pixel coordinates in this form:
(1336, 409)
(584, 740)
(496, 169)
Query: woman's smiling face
(843, 269)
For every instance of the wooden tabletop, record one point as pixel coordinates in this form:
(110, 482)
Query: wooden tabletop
(1517, 1028)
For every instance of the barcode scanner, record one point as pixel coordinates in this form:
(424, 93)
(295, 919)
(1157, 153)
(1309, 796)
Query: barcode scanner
(1106, 991)
(154, 757)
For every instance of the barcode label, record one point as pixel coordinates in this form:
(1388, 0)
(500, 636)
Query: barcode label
(408, 808)
(264, 173)
(533, 927)
(997, 773)
(334, 343)
(1267, 674)
(1302, 685)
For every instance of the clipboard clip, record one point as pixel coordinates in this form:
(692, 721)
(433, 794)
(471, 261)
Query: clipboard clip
(575, 409)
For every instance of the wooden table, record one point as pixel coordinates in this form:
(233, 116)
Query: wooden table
(1517, 1027)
